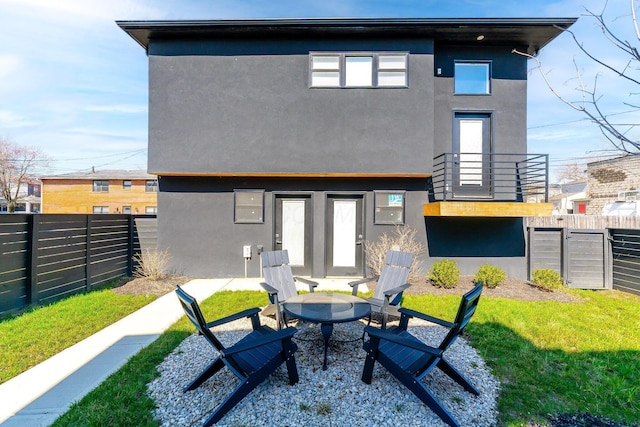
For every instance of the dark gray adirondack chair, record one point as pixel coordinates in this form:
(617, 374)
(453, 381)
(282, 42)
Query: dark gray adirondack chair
(391, 283)
(252, 359)
(410, 360)
(279, 281)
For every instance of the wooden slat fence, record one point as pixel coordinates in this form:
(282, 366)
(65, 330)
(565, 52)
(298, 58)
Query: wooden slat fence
(586, 222)
(45, 257)
(626, 260)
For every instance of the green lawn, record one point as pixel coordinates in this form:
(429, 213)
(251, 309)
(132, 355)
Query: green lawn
(39, 333)
(550, 358)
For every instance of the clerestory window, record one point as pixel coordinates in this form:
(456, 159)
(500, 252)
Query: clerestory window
(358, 70)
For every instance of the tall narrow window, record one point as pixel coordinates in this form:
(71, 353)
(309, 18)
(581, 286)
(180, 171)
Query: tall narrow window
(472, 78)
(358, 71)
(392, 70)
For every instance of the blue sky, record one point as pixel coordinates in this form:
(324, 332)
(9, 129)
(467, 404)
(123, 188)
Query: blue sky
(74, 85)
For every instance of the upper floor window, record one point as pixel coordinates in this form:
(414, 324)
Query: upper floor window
(101, 186)
(358, 70)
(151, 186)
(472, 78)
(126, 184)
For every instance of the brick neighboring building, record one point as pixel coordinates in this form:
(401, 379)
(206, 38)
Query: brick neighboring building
(106, 191)
(608, 179)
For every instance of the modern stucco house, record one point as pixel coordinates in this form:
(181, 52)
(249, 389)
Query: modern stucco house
(316, 134)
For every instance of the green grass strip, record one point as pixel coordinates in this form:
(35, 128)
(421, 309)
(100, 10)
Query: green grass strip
(37, 334)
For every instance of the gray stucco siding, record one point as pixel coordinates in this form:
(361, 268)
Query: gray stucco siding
(255, 113)
(507, 103)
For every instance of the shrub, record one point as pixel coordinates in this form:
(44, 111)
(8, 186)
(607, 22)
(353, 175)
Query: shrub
(402, 239)
(547, 279)
(445, 274)
(151, 264)
(490, 276)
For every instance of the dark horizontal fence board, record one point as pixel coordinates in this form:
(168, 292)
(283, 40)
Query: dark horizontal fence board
(12, 276)
(118, 256)
(62, 262)
(626, 260)
(14, 261)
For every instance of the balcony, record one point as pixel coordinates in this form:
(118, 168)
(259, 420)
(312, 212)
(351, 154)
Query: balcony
(489, 185)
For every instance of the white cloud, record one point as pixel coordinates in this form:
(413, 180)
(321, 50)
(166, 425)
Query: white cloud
(124, 109)
(8, 65)
(9, 119)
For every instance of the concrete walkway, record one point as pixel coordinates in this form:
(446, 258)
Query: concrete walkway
(40, 395)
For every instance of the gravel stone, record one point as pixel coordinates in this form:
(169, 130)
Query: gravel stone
(335, 397)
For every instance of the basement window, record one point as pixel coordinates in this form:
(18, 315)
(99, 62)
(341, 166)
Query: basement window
(389, 207)
(248, 207)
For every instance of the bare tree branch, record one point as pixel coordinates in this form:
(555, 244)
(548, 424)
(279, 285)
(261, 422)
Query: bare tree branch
(591, 103)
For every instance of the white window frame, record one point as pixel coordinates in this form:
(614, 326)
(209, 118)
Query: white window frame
(126, 184)
(151, 186)
(101, 209)
(376, 69)
(151, 210)
(100, 185)
(489, 67)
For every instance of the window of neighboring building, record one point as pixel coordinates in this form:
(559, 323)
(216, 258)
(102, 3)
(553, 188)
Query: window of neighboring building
(358, 70)
(101, 186)
(126, 210)
(248, 206)
(151, 210)
(472, 78)
(389, 207)
(582, 208)
(126, 184)
(101, 209)
(151, 186)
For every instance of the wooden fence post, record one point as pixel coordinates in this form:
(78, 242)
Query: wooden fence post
(131, 241)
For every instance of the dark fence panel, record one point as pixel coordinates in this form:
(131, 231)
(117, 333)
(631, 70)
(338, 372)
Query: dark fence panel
(47, 257)
(626, 260)
(14, 257)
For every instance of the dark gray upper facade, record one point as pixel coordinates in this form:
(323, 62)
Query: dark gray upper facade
(231, 106)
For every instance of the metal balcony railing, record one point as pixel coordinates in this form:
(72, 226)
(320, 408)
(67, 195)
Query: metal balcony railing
(492, 177)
